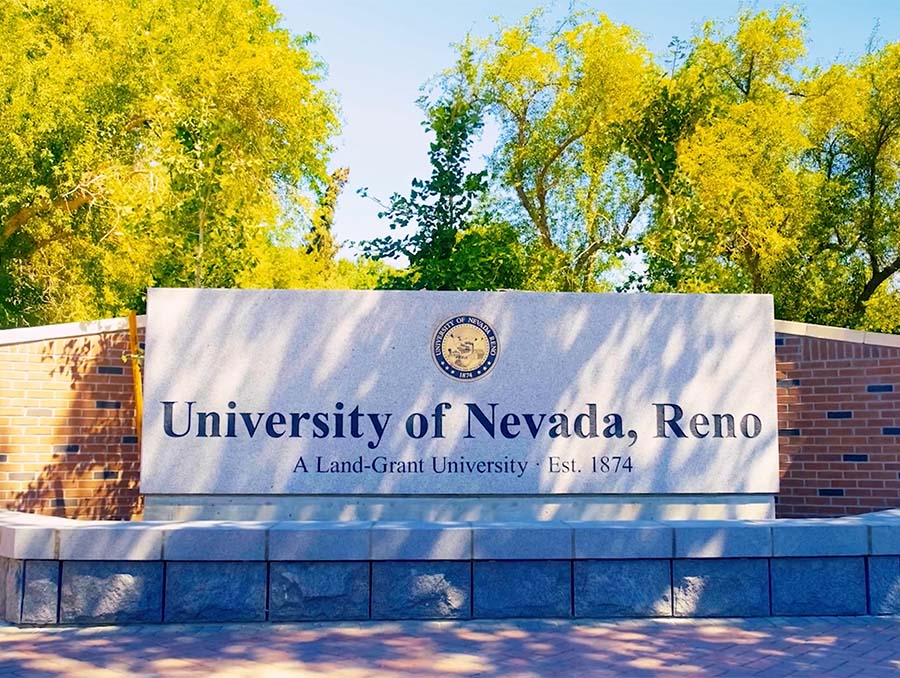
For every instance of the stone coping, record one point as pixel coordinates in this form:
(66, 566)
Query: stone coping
(836, 333)
(34, 537)
(25, 335)
(22, 335)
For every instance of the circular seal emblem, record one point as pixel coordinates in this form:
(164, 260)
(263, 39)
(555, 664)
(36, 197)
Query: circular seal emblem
(465, 347)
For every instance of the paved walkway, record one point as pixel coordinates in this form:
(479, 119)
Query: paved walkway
(525, 649)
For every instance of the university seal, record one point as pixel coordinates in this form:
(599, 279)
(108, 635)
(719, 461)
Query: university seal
(465, 347)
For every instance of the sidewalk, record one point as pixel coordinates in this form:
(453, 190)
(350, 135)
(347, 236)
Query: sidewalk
(833, 646)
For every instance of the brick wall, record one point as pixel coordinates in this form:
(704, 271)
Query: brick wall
(68, 445)
(839, 425)
(67, 436)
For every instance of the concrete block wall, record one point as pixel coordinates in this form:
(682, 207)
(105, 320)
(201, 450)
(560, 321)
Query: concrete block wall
(68, 445)
(52, 570)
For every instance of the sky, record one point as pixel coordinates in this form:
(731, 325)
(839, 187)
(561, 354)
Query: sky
(380, 53)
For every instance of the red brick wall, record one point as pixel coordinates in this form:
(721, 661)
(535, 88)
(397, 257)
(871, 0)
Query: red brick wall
(68, 446)
(67, 435)
(839, 426)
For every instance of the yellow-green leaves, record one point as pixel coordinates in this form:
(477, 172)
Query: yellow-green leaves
(736, 179)
(730, 193)
(561, 100)
(753, 62)
(734, 170)
(148, 142)
(770, 179)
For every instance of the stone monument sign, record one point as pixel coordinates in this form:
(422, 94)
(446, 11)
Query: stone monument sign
(353, 395)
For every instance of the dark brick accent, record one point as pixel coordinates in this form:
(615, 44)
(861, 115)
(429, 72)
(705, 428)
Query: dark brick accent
(3, 458)
(789, 432)
(840, 414)
(891, 430)
(62, 449)
(129, 440)
(880, 388)
(39, 412)
(106, 475)
(108, 405)
(856, 457)
(831, 492)
(109, 369)
(787, 383)
(21, 476)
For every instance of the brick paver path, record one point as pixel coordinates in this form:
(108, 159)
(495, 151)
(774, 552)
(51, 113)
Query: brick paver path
(738, 647)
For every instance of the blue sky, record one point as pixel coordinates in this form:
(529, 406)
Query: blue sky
(380, 52)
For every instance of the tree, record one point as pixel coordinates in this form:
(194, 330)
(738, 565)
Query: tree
(854, 153)
(561, 100)
(148, 143)
(321, 238)
(766, 179)
(717, 149)
(453, 244)
(281, 261)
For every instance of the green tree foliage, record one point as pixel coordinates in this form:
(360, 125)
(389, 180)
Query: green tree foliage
(151, 142)
(448, 240)
(562, 100)
(730, 169)
(718, 149)
(771, 179)
(281, 262)
(854, 154)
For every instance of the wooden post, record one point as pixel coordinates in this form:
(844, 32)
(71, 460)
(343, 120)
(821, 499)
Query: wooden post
(136, 375)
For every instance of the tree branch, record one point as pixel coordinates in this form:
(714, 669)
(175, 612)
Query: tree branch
(633, 214)
(563, 145)
(659, 178)
(586, 255)
(875, 282)
(68, 203)
(749, 80)
(539, 214)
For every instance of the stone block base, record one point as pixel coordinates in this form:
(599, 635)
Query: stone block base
(54, 570)
(111, 592)
(623, 588)
(215, 592)
(510, 588)
(40, 598)
(728, 587)
(818, 586)
(421, 590)
(318, 591)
